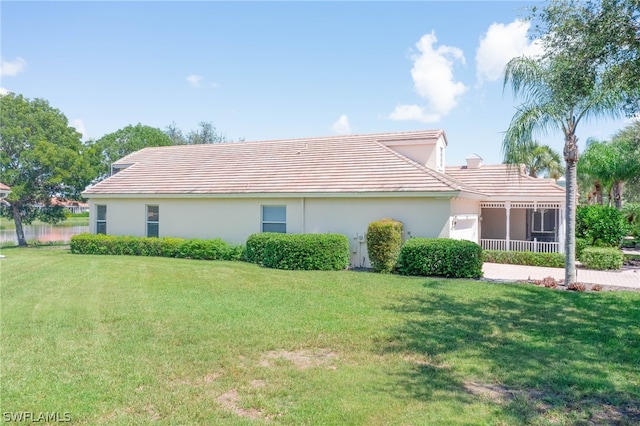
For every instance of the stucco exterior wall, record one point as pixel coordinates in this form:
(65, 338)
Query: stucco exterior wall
(234, 219)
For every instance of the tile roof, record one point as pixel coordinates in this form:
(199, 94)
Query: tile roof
(327, 165)
(4, 187)
(502, 182)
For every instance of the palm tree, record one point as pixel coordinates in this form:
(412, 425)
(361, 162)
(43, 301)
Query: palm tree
(538, 159)
(558, 92)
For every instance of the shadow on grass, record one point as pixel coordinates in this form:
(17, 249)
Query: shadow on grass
(538, 354)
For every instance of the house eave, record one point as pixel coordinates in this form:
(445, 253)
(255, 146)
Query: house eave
(376, 194)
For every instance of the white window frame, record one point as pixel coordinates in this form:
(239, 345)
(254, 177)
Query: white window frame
(264, 222)
(100, 221)
(153, 222)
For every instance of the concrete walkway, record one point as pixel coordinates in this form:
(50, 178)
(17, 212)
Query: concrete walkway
(627, 277)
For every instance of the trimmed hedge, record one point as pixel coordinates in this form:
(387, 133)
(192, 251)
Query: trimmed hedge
(215, 249)
(384, 241)
(299, 251)
(441, 257)
(602, 258)
(551, 260)
(256, 244)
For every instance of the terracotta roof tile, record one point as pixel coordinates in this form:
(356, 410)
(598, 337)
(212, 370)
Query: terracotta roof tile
(341, 164)
(503, 182)
(4, 187)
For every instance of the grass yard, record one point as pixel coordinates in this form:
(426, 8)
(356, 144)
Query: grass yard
(130, 340)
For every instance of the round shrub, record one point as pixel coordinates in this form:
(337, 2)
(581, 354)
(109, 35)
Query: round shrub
(600, 225)
(384, 241)
(441, 257)
(602, 258)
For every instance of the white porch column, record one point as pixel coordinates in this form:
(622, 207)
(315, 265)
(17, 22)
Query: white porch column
(561, 228)
(507, 206)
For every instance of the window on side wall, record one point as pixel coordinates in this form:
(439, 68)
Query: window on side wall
(153, 221)
(274, 219)
(101, 219)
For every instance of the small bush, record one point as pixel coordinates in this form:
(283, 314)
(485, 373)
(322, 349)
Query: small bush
(548, 282)
(600, 225)
(384, 241)
(581, 243)
(307, 252)
(602, 258)
(550, 260)
(164, 247)
(440, 257)
(576, 287)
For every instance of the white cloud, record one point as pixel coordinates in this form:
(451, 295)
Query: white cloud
(3, 91)
(198, 81)
(342, 126)
(80, 127)
(12, 68)
(195, 80)
(413, 113)
(499, 45)
(433, 79)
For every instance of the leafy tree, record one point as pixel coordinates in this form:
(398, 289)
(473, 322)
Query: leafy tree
(41, 158)
(558, 92)
(611, 164)
(116, 145)
(599, 34)
(175, 134)
(537, 159)
(206, 133)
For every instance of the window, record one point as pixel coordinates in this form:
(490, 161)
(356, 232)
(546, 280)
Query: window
(101, 219)
(274, 219)
(153, 221)
(543, 220)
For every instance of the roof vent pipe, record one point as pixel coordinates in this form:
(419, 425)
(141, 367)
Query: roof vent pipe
(474, 161)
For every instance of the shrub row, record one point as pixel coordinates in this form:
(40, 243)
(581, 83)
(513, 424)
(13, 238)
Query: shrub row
(602, 258)
(299, 251)
(384, 241)
(551, 260)
(440, 257)
(216, 249)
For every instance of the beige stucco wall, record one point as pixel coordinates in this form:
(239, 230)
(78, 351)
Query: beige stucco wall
(234, 219)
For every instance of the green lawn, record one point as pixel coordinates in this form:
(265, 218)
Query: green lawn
(126, 340)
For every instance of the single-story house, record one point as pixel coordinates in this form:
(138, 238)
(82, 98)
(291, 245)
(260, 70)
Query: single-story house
(334, 184)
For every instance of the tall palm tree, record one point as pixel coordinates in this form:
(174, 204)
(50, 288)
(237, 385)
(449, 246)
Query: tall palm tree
(558, 91)
(538, 159)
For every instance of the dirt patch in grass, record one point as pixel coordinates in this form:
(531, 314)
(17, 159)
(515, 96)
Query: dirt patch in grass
(598, 412)
(302, 359)
(231, 401)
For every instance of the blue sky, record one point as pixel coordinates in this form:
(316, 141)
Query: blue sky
(276, 70)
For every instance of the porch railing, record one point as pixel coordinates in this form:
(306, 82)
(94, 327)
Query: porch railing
(518, 245)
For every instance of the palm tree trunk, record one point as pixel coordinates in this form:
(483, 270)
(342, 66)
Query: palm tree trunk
(571, 176)
(617, 194)
(19, 229)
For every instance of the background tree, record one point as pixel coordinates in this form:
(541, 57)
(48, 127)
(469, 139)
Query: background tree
(612, 164)
(116, 145)
(41, 157)
(205, 133)
(539, 160)
(175, 134)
